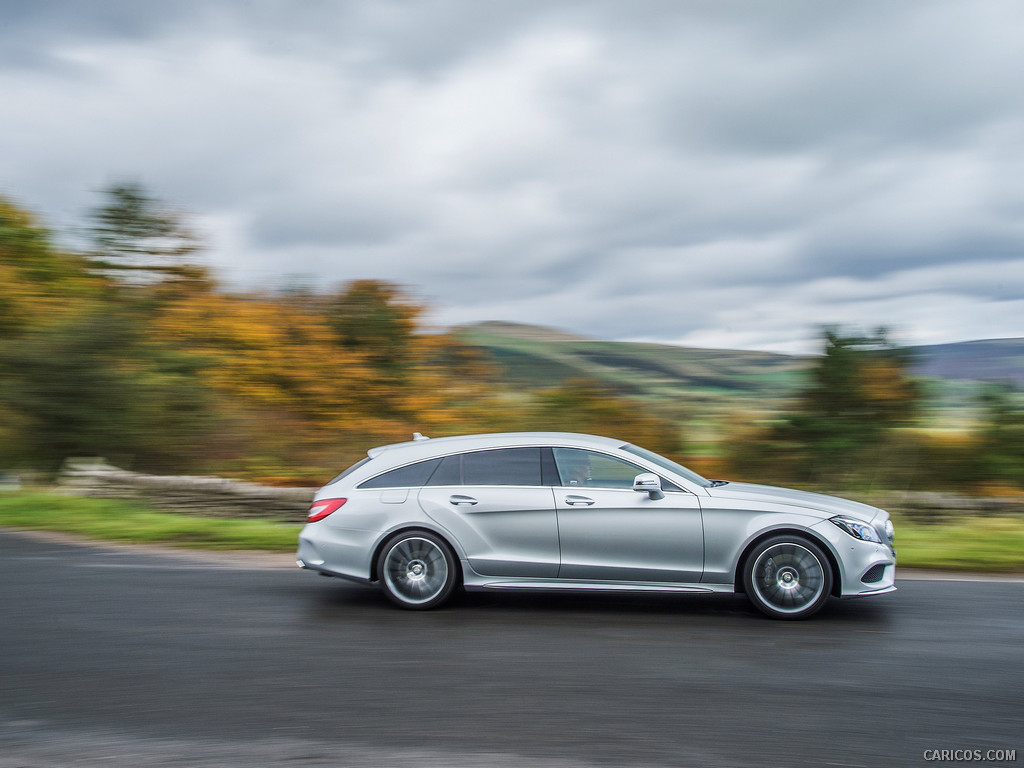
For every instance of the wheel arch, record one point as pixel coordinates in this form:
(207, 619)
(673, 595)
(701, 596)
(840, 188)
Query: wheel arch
(833, 561)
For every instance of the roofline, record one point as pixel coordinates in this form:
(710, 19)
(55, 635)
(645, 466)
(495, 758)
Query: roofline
(527, 438)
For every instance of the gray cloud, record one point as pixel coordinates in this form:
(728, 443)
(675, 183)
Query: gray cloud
(724, 174)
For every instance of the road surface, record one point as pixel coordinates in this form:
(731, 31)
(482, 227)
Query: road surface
(124, 657)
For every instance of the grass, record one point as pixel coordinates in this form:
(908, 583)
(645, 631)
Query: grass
(978, 544)
(116, 520)
(966, 543)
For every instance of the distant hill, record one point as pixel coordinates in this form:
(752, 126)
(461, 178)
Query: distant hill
(536, 357)
(990, 360)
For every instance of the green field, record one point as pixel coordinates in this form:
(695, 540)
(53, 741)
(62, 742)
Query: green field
(993, 544)
(115, 520)
(964, 544)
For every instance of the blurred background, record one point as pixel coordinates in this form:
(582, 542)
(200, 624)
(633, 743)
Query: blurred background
(132, 351)
(777, 244)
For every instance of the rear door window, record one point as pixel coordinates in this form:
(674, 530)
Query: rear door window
(503, 466)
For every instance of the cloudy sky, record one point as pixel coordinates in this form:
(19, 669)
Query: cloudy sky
(717, 174)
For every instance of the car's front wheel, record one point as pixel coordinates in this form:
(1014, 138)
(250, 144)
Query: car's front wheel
(787, 577)
(417, 570)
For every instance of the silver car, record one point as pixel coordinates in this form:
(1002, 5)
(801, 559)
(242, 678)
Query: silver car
(535, 510)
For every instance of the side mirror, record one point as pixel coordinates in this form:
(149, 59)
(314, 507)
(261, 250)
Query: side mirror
(649, 483)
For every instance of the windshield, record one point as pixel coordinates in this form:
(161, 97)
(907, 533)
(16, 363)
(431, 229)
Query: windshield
(671, 466)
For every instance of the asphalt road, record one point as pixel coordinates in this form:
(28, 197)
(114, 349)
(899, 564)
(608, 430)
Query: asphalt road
(117, 657)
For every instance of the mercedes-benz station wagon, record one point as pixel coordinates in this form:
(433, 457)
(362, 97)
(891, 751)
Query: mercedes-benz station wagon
(557, 511)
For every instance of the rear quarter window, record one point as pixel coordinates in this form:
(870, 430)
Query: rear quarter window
(409, 476)
(350, 470)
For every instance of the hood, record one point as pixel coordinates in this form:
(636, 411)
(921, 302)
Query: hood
(818, 502)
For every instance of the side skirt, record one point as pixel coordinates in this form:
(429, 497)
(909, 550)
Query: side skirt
(596, 586)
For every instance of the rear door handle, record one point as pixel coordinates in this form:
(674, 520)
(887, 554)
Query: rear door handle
(574, 500)
(458, 499)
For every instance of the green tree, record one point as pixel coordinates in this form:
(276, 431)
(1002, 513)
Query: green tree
(379, 320)
(139, 239)
(92, 385)
(858, 391)
(1000, 453)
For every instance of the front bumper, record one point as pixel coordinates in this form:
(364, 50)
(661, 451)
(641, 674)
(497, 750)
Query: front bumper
(865, 567)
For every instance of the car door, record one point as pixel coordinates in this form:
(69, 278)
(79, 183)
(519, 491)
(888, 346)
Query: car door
(495, 503)
(609, 532)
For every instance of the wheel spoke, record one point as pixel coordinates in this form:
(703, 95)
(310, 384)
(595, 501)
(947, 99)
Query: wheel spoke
(789, 577)
(416, 570)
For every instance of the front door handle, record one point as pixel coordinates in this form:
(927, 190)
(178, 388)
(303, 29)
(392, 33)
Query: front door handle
(458, 499)
(574, 500)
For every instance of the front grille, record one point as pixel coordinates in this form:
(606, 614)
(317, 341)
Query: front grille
(874, 574)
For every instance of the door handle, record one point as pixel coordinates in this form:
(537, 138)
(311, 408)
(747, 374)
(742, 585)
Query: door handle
(574, 500)
(458, 499)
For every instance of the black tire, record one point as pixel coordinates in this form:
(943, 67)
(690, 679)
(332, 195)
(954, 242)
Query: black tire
(417, 570)
(787, 577)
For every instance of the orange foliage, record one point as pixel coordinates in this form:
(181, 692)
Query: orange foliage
(39, 286)
(885, 383)
(281, 386)
(275, 354)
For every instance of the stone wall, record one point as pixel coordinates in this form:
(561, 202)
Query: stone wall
(931, 506)
(206, 496)
(220, 497)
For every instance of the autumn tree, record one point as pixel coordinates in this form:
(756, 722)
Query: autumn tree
(38, 283)
(78, 372)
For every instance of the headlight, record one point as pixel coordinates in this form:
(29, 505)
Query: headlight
(856, 528)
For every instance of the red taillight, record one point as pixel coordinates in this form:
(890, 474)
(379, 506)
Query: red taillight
(323, 508)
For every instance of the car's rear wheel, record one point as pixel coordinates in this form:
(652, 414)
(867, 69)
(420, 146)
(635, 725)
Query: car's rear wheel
(787, 577)
(417, 570)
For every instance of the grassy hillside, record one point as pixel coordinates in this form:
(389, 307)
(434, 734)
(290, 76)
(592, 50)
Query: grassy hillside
(538, 357)
(702, 389)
